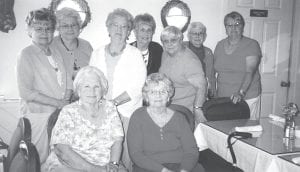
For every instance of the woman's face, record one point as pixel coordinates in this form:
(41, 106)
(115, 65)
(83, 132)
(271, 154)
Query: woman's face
(197, 36)
(90, 90)
(69, 28)
(118, 29)
(234, 28)
(157, 95)
(171, 44)
(42, 32)
(143, 33)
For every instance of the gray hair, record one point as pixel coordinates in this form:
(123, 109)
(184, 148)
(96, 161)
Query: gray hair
(87, 71)
(197, 25)
(68, 12)
(235, 16)
(42, 14)
(156, 79)
(120, 13)
(144, 18)
(171, 31)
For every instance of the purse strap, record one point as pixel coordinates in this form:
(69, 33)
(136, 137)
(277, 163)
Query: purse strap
(26, 130)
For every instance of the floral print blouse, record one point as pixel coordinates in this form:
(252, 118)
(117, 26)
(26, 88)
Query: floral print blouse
(90, 139)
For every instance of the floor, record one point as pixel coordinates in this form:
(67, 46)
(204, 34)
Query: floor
(214, 163)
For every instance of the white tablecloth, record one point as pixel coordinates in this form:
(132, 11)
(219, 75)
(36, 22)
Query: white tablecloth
(249, 158)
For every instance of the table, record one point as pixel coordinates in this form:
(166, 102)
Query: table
(253, 155)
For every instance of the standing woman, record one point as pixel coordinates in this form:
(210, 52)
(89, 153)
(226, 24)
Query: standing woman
(76, 52)
(184, 68)
(236, 62)
(124, 68)
(42, 79)
(144, 28)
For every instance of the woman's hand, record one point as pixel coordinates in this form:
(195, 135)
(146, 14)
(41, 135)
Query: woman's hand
(236, 97)
(110, 167)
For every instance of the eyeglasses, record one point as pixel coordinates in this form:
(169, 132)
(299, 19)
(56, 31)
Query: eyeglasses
(155, 92)
(69, 26)
(197, 33)
(116, 26)
(43, 29)
(169, 41)
(235, 25)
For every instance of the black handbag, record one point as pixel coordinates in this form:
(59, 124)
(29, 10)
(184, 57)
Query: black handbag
(222, 108)
(3, 159)
(23, 155)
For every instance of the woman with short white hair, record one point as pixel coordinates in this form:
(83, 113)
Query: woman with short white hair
(88, 134)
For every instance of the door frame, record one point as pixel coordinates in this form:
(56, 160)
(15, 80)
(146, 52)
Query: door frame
(294, 73)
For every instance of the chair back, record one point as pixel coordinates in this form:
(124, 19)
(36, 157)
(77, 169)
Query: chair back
(189, 116)
(51, 122)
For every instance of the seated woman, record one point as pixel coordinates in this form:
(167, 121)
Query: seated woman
(160, 139)
(88, 134)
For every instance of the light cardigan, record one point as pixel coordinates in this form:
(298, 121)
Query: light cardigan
(129, 75)
(36, 76)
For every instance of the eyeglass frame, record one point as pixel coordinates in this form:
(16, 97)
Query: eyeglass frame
(69, 26)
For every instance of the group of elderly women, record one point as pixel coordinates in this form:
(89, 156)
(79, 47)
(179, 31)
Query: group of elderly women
(103, 125)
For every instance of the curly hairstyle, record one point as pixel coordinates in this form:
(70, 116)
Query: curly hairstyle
(144, 18)
(88, 71)
(155, 79)
(42, 14)
(68, 12)
(120, 13)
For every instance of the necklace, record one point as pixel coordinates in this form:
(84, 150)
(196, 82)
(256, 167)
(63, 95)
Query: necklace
(63, 43)
(145, 56)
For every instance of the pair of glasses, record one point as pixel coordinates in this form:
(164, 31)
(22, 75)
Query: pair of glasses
(69, 26)
(235, 25)
(116, 26)
(197, 33)
(169, 41)
(155, 92)
(43, 29)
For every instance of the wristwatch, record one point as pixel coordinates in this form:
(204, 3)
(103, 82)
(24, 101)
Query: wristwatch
(198, 107)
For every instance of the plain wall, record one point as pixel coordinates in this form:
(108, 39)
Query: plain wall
(13, 42)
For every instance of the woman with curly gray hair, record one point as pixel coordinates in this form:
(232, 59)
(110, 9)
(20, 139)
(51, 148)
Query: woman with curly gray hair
(124, 68)
(159, 138)
(144, 28)
(88, 134)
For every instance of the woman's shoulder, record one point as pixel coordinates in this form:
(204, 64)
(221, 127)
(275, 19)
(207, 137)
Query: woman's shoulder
(109, 107)
(221, 42)
(132, 49)
(71, 106)
(29, 52)
(139, 113)
(155, 45)
(246, 39)
(84, 42)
